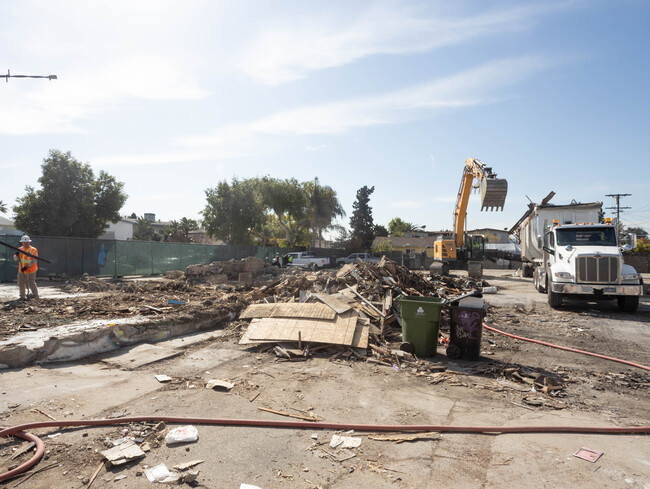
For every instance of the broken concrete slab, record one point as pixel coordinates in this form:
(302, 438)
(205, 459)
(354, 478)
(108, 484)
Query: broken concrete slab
(81, 339)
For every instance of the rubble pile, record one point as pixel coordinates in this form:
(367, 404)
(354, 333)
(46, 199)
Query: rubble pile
(364, 290)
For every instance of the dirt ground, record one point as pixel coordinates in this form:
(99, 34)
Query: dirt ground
(495, 390)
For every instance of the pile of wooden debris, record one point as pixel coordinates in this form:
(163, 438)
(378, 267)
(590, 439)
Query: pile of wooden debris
(351, 311)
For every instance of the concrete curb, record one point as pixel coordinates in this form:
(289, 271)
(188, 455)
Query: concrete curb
(81, 339)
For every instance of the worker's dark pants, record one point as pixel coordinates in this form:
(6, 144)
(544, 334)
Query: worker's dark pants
(27, 279)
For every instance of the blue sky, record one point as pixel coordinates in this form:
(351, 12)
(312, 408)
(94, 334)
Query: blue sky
(172, 97)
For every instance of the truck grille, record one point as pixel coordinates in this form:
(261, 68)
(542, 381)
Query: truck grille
(597, 269)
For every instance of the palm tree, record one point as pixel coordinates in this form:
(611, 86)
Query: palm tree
(3, 207)
(324, 207)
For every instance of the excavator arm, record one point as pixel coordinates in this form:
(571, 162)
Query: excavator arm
(493, 194)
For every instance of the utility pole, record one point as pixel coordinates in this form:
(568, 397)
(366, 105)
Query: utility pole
(618, 208)
(9, 75)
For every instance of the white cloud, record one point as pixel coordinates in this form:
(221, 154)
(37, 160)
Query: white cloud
(469, 88)
(288, 51)
(319, 147)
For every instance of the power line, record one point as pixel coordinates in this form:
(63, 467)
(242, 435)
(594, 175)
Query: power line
(618, 207)
(9, 75)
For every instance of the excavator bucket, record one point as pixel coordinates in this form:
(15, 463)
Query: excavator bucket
(493, 193)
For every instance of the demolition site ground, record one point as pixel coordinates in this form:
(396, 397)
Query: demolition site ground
(513, 383)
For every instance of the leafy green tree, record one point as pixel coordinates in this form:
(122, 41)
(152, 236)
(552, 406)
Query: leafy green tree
(381, 231)
(383, 245)
(397, 227)
(234, 211)
(323, 208)
(3, 207)
(288, 201)
(639, 231)
(179, 231)
(71, 201)
(143, 230)
(361, 221)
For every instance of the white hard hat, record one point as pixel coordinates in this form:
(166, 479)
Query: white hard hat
(25, 239)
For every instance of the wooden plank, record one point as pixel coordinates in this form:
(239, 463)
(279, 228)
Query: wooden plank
(339, 332)
(288, 310)
(345, 269)
(366, 301)
(360, 339)
(334, 301)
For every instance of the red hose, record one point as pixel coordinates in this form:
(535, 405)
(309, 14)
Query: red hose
(40, 449)
(18, 430)
(626, 362)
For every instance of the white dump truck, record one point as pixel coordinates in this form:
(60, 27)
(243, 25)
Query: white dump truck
(569, 252)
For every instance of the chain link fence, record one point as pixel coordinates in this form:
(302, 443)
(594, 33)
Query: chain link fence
(72, 257)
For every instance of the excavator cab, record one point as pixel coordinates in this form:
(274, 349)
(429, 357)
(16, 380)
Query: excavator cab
(475, 250)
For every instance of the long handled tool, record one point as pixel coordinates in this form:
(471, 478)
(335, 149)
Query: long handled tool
(24, 252)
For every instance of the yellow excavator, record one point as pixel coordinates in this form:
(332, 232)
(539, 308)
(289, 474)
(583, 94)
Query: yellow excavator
(463, 250)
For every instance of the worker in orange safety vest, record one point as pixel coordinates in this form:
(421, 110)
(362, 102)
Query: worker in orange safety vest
(27, 267)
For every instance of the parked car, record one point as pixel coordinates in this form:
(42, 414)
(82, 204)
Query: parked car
(354, 257)
(306, 259)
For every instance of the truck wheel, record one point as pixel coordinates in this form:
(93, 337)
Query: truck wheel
(538, 283)
(628, 303)
(554, 299)
(526, 270)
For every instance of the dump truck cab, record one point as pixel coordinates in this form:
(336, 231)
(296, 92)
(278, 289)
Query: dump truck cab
(584, 260)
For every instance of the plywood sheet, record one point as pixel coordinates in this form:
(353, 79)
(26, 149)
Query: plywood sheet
(289, 310)
(359, 339)
(341, 331)
(335, 302)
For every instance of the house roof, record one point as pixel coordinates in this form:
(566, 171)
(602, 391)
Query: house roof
(5, 222)
(404, 241)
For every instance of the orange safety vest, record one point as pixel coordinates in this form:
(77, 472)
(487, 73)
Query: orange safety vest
(28, 261)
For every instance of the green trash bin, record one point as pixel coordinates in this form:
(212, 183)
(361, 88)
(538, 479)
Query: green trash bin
(420, 321)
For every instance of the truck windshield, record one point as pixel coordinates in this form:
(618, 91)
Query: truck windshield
(605, 236)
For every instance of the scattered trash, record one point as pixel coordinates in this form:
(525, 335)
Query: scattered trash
(341, 441)
(314, 436)
(588, 454)
(172, 301)
(219, 385)
(402, 437)
(123, 453)
(297, 416)
(188, 465)
(54, 435)
(162, 378)
(489, 290)
(182, 434)
(160, 473)
(248, 486)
